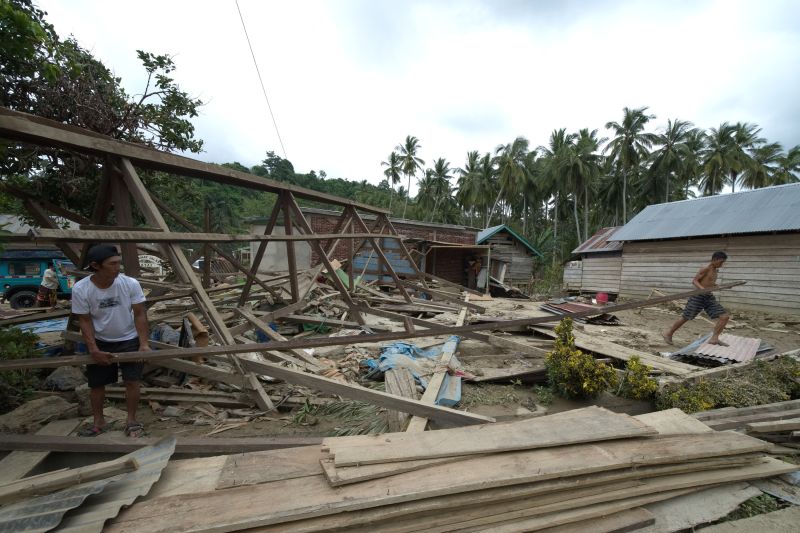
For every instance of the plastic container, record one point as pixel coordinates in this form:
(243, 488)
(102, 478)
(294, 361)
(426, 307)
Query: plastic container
(602, 298)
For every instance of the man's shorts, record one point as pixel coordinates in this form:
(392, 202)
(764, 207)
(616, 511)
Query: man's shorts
(703, 302)
(100, 375)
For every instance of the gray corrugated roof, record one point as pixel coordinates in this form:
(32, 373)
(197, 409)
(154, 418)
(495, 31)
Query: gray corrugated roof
(757, 211)
(488, 232)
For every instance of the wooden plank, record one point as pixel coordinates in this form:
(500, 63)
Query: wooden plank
(741, 421)
(44, 235)
(61, 479)
(19, 464)
(570, 427)
(729, 412)
(431, 393)
(232, 508)
(791, 424)
(443, 415)
(272, 465)
(620, 522)
(29, 128)
(673, 422)
(274, 335)
(386, 515)
(107, 444)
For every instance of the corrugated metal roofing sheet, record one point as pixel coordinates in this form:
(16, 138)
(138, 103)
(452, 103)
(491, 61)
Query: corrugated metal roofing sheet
(599, 242)
(757, 211)
(739, 349)
(95, 501)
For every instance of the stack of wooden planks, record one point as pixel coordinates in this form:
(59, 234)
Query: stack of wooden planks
(590, 468)
(739, 418)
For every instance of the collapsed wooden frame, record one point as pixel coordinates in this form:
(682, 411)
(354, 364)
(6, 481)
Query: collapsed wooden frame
(121, 183)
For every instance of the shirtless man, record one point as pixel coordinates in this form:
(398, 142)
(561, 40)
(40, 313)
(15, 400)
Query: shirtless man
(705, 279)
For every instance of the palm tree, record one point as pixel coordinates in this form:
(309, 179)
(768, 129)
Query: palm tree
(671, 160)
(468, 186)
(580, 166)
(788, 170)
(393, 170)
(440, 175)
(487, 186)
(551, 178)
(766, 160)
(426, 192)
(745, 140)
(511, 169)
(696, 144)
(629, 146)
(718, 160)
(410, 162)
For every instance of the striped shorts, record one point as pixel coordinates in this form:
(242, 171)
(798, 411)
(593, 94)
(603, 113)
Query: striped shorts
(703, 302)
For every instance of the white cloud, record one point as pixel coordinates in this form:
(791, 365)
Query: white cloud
(348, 80)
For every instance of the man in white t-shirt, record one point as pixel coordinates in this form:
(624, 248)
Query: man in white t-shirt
(47, 296)
(113, 318)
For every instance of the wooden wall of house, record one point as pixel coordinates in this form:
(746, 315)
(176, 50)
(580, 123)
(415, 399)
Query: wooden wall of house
(572, 275)
(770, 264)
(519, 258)
(601, 272)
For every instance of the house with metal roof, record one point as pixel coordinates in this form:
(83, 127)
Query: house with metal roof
(595, 265)
(513, 256)
(665, 245)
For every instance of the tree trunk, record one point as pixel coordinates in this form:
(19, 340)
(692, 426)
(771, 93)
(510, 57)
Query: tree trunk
(408, 193)
(577, 220)
(524, 215)
(585, 212)
(491, 213)
(391, 197)
(624, 197)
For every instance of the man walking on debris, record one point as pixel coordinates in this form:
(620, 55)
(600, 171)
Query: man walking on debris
(113, 319)
(706, 278)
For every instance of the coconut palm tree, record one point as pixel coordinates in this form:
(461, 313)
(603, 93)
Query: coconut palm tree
(745, 141)
(440, 174)
(760, 172)
(551, 178)
(718, 159)
(629, 146)
(580, 165)
(393, 170)
(410, 162)
(487, 185)
(671, 159)
(426, 192)
(511, 169)
(788, 170)
(467, 193)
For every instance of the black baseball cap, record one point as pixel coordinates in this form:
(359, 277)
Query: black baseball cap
(99, 253)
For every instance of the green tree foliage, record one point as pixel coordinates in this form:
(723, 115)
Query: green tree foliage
(56, 78)
(636, 383)
(17, 385)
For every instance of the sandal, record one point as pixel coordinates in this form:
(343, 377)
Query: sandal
(90, 430)
(134, 430)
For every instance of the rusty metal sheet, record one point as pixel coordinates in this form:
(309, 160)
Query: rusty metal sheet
(87, 506)
(599, 242)
(739, 349)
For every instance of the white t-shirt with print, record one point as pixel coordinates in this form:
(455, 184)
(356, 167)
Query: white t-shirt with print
(110, 309)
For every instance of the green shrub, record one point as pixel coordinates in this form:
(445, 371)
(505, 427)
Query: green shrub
(572, 373)
(16, 385)
(757, 384)
(636, 383)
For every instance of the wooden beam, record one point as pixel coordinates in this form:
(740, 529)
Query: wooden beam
(42, 218)
(61, 479)
(29, 128)
(291, 258)
(338, 341)
(262, 247)
(167, 236)
(274, 335)
(124, 217)
(18, 464)
(105, 444)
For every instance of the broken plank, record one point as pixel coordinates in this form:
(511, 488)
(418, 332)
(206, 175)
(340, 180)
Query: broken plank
(569, 427)
(61, 479)
(18, 464)
(187, 396)
(443, 415)
(108, 444)
(273, 465)
(274, 335)
(526, 374)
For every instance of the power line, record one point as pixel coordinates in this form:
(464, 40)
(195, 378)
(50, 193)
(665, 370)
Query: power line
(263, 89)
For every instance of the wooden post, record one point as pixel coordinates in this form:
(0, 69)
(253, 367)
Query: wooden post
(351, 255)
(184, 271)
(43, 219)
(291, 259)
(207, 248)
(256, 261)
(124, 217)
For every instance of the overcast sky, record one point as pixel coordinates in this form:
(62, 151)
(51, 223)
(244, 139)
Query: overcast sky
(349, 79)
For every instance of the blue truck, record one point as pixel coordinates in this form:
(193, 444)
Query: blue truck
(21, 274)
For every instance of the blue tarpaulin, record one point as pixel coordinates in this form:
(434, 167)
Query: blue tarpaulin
(419, 362)
(45, 326)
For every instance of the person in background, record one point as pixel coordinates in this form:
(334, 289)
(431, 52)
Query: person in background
(47, 295)
(113, 318)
